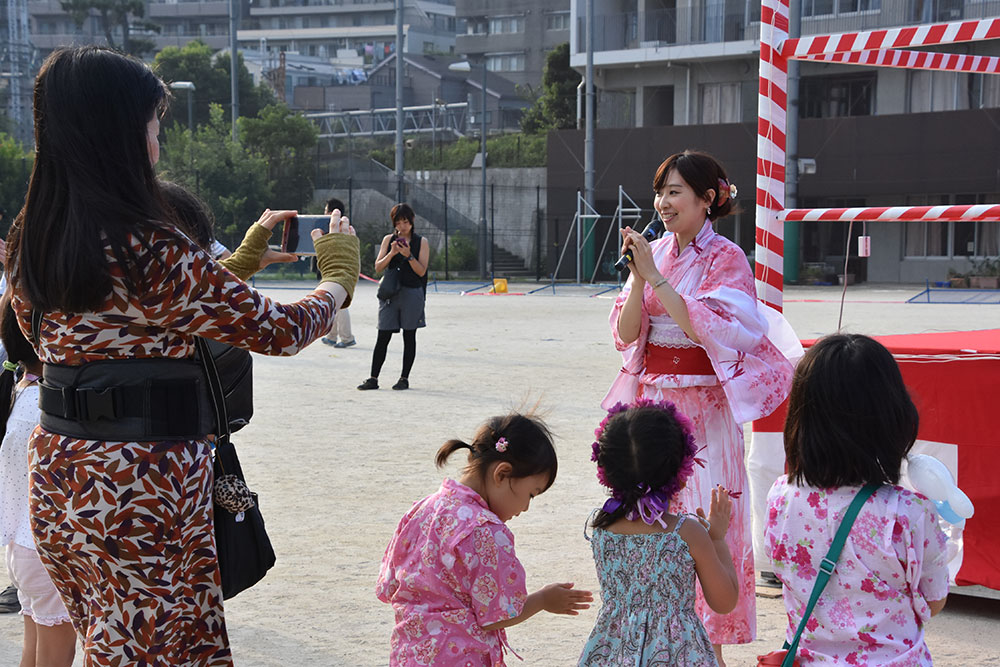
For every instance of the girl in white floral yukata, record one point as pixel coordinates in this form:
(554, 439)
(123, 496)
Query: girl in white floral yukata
(692, 332)
(851, 423)
(450, 572)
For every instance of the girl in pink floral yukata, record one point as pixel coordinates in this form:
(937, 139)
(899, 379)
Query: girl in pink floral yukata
(450, 572)
(851, 423)
(692, 332)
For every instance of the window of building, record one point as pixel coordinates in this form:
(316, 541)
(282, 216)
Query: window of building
(476, 26)
(838, 7)
(502, 25)
(739, 228)
(720, 103)
(505, 62)
(935, 11)
(936, 91)
(837, 96)
(557, 21)
(951, 239)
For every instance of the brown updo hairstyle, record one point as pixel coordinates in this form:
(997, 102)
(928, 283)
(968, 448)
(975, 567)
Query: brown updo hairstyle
(402, 211)
(702, 173)
(529, 448)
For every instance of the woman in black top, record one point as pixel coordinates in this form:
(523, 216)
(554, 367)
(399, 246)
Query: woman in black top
(407, 252)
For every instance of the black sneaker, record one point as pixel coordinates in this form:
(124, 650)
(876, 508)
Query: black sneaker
(402, 384)
(370, 383)
(9, 603)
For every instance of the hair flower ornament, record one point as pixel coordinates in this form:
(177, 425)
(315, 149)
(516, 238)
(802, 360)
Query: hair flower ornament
(727, 191)
(502, 445)
(646, 503)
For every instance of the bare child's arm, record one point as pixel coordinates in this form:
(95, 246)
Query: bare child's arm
(706, 540)
(554, 598)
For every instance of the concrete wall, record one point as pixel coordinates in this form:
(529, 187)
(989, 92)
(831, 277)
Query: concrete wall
(510, 211)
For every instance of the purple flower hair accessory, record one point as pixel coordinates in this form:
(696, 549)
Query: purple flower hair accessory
(501, 445)
(652, 504)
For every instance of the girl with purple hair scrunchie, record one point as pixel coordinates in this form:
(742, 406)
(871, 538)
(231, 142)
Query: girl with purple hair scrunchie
(648, 556)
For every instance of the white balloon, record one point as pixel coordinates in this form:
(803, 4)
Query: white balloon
(933, 479)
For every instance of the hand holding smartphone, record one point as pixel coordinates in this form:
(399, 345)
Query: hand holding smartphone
(297, 235)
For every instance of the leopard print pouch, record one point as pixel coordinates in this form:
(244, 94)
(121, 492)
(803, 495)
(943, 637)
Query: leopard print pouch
(232, 494)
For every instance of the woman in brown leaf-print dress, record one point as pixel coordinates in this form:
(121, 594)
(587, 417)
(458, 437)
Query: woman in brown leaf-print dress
(125, 528)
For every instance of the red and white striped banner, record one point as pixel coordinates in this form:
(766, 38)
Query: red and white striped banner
(891, 38)
(940, 62)
(965, 213)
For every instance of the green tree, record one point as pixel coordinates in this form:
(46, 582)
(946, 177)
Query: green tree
(287, 142)
(209, 73)
(229, 177)
(115, 14)
(15, 168)
(555, 108)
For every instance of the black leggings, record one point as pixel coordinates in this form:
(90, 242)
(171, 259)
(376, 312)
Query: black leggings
(382, 346)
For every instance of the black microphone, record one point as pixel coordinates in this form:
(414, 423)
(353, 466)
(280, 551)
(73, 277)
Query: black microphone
(652, 230)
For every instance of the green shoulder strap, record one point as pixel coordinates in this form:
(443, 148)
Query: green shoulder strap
(827, 566)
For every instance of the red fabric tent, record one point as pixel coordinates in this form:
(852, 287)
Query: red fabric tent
(954, 380)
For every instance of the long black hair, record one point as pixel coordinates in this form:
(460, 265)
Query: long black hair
(19, 351)
(850, 419)
(528, 450)
(92, 183)
(189, 213)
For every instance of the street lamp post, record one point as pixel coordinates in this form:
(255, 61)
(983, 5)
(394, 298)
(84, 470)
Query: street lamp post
(465, 66)
(189, 87)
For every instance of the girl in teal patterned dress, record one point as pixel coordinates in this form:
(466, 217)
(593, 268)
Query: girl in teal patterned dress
(647, 557)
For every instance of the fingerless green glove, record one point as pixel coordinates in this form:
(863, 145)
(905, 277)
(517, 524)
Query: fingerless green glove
(245, 261)
(338, 260)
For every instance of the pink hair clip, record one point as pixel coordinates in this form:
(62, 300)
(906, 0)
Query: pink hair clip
(501, 445)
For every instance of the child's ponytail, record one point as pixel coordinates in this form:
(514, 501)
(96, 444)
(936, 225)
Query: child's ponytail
(449, 448)
(523, 441)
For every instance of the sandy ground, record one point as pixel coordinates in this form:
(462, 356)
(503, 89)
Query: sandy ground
(335, 468)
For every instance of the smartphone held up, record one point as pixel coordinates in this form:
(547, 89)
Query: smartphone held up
(297, 235)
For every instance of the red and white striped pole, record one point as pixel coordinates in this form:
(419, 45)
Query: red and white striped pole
(771, 113)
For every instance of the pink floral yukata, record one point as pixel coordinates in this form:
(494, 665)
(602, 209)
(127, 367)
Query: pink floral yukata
(873, 610)
(449, 570)
(751, 378)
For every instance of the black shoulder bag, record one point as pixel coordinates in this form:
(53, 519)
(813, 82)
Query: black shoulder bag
(244, 550)
(389, 284)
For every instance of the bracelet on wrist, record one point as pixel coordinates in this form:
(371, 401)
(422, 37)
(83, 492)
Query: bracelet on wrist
(659, 283)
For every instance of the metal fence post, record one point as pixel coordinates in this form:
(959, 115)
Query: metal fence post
(446, 230)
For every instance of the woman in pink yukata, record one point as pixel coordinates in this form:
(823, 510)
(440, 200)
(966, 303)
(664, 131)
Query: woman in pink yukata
(450, 572)
(691, 332)
(850, 423)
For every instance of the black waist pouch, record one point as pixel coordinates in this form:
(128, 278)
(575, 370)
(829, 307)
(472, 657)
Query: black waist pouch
(145, 399)
(126, 400)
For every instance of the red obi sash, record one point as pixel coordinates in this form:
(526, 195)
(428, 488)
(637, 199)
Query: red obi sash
(677, 361)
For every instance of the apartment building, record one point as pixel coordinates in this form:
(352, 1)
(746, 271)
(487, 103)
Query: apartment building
(673, 74)
(368, 27)
(514, 36)
(180, 22)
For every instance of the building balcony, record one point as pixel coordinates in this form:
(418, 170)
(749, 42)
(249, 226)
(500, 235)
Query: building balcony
(312, 10)
(156, 10)
(714, 24)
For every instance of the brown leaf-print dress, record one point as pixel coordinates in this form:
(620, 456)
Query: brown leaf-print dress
(125, 528)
